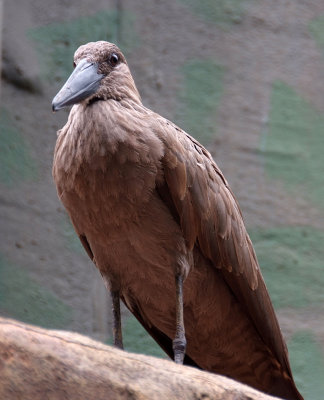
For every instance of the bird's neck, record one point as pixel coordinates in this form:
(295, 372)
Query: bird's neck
(123, 88)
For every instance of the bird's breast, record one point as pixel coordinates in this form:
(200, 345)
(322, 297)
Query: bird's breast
(108, 157)
(103, 183)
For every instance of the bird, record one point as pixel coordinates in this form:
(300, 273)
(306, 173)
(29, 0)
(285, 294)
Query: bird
(158, 219)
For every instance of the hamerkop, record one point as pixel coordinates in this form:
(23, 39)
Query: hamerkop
(158, 219)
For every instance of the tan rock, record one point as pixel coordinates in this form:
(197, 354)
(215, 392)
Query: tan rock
(43, 364)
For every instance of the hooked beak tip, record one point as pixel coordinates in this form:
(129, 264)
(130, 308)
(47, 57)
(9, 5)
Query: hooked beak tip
(56, 106)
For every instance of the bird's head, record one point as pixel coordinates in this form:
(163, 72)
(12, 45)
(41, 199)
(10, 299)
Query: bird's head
(100, 73)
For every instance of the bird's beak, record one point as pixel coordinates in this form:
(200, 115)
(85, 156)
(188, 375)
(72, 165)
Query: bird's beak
(82, 83)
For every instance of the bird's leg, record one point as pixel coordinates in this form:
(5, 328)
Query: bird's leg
(179, 342)
(117, 329)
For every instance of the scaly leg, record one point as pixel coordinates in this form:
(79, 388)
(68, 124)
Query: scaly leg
(117, 329)
(115, 300)
(179, 342)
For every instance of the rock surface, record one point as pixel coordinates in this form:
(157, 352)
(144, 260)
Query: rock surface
(45, 364)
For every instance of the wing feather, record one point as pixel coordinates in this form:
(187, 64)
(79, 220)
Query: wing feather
(210, 217)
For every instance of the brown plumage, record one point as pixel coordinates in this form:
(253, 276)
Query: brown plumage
(150, 206)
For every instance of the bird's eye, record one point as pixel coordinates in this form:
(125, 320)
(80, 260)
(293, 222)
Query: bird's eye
(113, 59)
(74, 64)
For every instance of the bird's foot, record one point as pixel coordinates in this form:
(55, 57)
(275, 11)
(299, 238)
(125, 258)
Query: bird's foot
(179, 349)
(118, 342)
